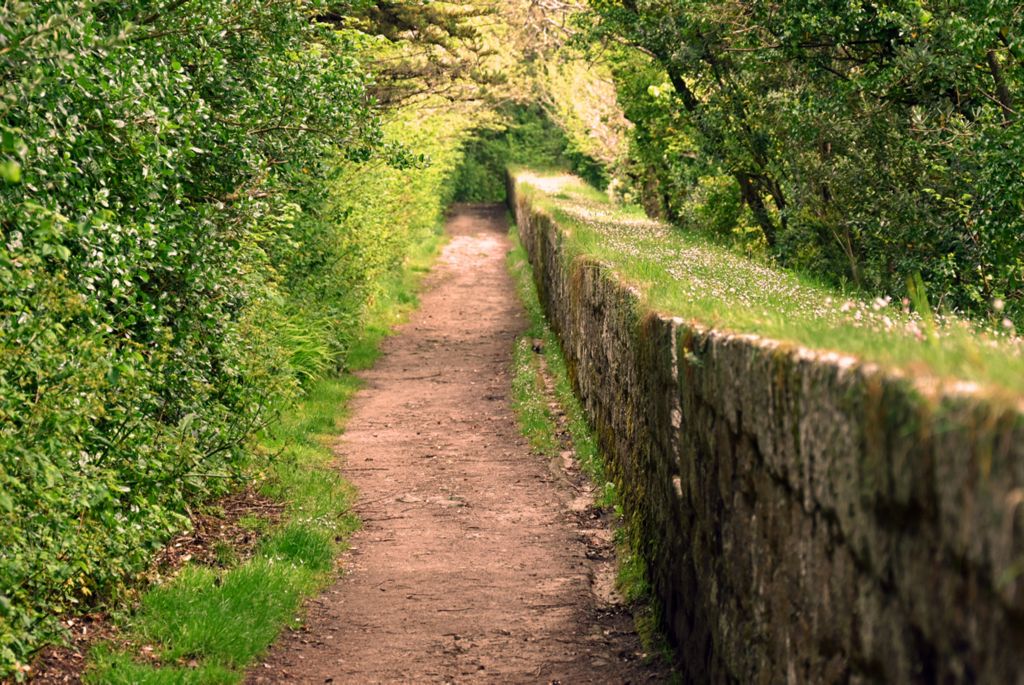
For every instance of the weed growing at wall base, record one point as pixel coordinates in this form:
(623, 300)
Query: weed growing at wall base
(532, 372)
(529, 387)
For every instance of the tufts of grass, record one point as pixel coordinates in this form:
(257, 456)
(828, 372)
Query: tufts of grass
(224, 618)
(256, 524)
(688, 274)
(529, 401)
(584, 441)
(118, 668)
(225, 555)
(631, 580)
(538, 424)
(301, 545)
(528, 388)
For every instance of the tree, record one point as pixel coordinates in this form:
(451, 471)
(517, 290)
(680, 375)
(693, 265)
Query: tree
(863, 140)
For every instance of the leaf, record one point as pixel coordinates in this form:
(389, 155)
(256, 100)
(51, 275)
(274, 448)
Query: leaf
(10, 171)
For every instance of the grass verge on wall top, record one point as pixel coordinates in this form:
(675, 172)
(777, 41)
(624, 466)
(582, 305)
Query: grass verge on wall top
(687, 275)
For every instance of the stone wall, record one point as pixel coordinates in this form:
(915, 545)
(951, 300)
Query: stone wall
(807, 518)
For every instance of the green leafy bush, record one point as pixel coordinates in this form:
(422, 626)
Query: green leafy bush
(161, 202)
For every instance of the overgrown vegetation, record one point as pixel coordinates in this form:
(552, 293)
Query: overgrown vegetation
(206, 625)
(688, 275)
(198, 204)
(538, 355)
(155, 162)
(518, 134)
(863, 142)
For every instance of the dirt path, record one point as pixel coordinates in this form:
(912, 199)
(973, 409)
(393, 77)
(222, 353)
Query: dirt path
(472, 565)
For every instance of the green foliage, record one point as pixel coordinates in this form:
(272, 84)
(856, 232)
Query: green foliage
(227, 617)
(530, 400)
(303, 547)
(217, 621)
(428, 48)
(522, 135)
(191, 204)
(120, 669)
(867, 141)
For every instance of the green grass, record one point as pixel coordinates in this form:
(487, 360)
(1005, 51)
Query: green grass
(528, 388)
(206, 625)
(224, 618)
(539, 426)
(529, 401)
(687, 274)
(116, 668)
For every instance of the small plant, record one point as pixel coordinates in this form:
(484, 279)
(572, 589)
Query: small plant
(531, 401)
(224, 555)
(918, 295)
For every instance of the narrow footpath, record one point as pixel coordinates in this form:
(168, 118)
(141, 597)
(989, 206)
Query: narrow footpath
(475, 562)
